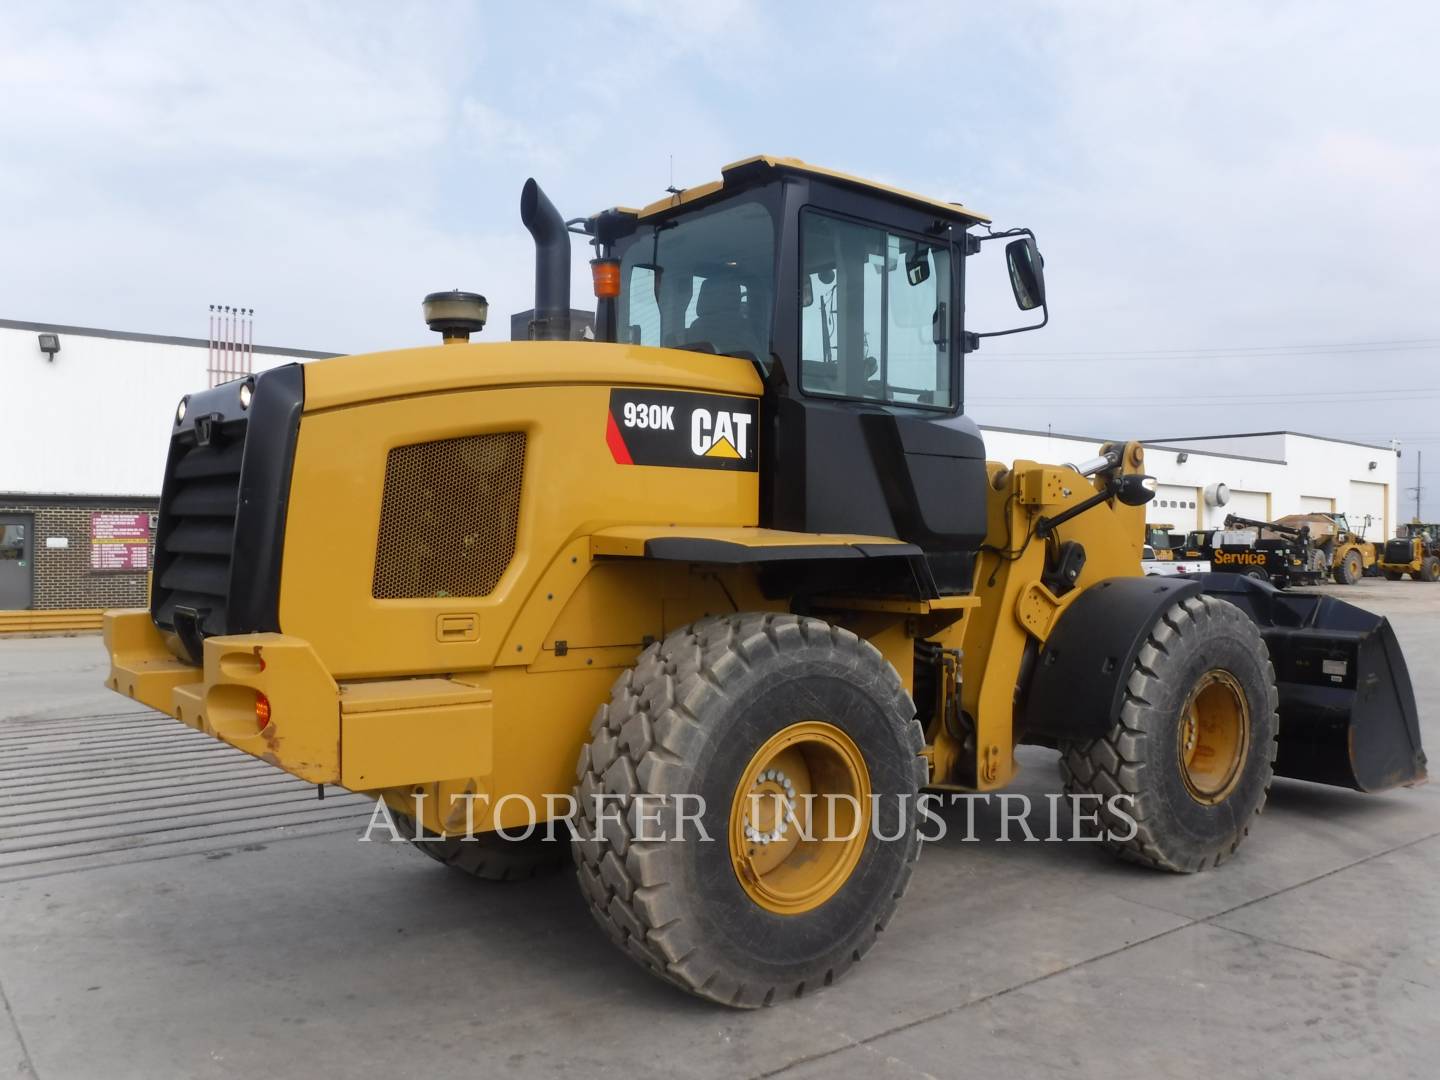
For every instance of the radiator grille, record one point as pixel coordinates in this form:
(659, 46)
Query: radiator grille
(1399, 551)
(197, 527)
(449, 516)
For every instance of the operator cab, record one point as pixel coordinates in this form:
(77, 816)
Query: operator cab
(849, 297)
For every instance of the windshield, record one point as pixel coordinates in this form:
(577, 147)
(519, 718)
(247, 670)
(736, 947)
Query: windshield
(703, 282)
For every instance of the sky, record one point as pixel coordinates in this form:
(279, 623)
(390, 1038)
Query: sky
(1235, 200)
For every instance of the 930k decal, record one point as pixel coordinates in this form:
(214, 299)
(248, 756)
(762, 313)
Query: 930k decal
(684, 430)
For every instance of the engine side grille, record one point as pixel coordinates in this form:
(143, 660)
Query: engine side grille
(449, 516)
(197, 528)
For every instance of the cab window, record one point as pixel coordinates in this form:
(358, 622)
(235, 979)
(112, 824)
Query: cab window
(702, 282)
(875, 320)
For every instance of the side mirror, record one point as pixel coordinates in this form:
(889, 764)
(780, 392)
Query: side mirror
(1027, 272)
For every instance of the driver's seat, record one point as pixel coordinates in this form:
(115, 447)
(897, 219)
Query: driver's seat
(720, 320)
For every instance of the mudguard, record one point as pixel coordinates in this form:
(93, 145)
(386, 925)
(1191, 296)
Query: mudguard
(1081, 672)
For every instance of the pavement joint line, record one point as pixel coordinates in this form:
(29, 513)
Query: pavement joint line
(1027, 983)
(9, 808)
(27, 1063)
(1319, 877)
(124, 836)
(87, 734)
(39, 760)
(65, 872)
(246, 763)
(981, 1000)
(17, 726)
(201, 809)
(1261, 939)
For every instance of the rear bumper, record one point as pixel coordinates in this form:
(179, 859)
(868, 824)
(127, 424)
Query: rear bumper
(363, 736)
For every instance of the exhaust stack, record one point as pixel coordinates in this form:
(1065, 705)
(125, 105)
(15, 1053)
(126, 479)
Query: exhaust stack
(551, 321)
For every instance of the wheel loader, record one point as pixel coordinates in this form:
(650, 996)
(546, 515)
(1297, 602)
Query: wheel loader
(725, 591)
(1337, 548)
(1415, 550)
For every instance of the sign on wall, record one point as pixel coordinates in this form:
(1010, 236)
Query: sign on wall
(119, 541)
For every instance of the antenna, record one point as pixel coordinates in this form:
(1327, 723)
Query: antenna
(672, 189)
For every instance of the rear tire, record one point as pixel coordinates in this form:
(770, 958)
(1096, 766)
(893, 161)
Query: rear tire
(1350, 568)
(490, 856)
(1192, 747)
(695, 718)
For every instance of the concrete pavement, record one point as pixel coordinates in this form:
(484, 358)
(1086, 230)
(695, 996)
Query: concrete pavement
(170, 908)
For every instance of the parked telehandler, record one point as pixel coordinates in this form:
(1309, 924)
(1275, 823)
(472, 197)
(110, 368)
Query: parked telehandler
(742, 551)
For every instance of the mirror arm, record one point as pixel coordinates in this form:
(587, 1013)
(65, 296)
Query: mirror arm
(972, 339)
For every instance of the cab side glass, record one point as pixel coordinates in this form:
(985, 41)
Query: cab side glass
(874, 315)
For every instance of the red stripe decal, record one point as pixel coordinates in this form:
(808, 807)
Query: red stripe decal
(613, 439)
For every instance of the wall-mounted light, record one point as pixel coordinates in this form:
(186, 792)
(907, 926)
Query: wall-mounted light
(50, 345)
(1373, 465)
(1181, 458)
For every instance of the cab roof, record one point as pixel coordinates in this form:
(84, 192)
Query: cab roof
(740, 174)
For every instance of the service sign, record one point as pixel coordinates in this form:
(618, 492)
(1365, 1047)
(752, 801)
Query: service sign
(682, 430)
(119, 541)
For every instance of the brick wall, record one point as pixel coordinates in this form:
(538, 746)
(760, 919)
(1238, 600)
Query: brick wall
(63, 578)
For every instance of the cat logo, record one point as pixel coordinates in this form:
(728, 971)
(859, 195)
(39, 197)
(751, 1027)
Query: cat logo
(720, 435)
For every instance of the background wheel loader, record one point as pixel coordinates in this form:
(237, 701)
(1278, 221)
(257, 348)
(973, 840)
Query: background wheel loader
(1341, 550)
(739, 562)
(1415, 550)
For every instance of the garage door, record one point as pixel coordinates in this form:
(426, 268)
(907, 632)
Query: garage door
(1316, 504)
(1368, 498)
(1176, 505)
(1250, 504)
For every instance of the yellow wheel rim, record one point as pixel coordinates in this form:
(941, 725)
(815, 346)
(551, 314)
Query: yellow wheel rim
(800, 817)
(1214, 737)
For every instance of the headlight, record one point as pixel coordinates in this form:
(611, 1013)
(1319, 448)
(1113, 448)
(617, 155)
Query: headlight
(247, 391)
(180, 409)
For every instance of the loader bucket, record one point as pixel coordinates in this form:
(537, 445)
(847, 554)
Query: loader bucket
(1347, 709)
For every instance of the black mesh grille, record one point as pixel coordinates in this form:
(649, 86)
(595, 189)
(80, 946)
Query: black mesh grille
(1399, 551)
(449, 516)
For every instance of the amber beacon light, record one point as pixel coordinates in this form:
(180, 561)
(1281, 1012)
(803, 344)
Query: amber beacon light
(607, 278)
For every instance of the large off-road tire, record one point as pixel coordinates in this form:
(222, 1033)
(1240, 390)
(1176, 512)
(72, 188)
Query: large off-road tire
(770, 705)
(1350, 568)
(1192, 747)
(490, 856)
(1429, 569)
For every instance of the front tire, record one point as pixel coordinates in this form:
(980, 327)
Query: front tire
(1350, 568)
(1192, 749)
(1429, 569)
(772, 706)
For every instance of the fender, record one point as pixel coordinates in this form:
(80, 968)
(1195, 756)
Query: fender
(790, 562)
(1079, 678)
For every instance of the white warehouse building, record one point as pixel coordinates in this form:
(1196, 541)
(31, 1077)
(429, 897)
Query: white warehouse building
(1261, 475)
(86, 416)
